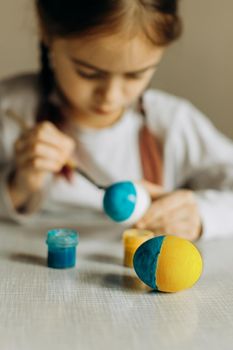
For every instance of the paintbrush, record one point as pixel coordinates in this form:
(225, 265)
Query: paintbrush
(69, 167)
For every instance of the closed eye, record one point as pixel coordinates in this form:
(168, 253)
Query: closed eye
(100, 74)
(134, 76)
(90, 76)
(93, 76)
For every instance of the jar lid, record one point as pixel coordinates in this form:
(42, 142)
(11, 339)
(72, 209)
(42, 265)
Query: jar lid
(62, 238)
(134, 237)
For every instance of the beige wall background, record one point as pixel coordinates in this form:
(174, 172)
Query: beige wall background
(198, 67)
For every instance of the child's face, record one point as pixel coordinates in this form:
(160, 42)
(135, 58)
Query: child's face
(101, 76)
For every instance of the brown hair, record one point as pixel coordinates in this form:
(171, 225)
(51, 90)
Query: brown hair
(158, 19)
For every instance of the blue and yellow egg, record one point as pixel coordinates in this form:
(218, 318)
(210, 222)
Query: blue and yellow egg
(168, 263)
(126, 202)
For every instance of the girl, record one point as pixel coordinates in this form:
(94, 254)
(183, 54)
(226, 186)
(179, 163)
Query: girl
(91, 103)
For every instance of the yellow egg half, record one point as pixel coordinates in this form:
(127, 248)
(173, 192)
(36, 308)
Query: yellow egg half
(168, 263)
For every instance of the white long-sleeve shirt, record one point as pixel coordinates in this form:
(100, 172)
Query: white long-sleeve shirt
(195, 155)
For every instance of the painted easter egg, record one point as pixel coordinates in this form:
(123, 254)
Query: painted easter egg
(168, 263)
(126, 202)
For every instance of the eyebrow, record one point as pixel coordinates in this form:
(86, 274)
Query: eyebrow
(88, 65)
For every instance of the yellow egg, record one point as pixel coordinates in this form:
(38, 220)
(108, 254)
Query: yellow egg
(168, 263)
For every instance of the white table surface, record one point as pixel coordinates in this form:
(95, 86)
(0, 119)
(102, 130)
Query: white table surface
(101, 304)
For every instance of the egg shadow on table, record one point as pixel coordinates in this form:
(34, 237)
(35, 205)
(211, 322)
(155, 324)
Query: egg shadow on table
(104, 258)
(127, 282)
(28, 259)
(114, 281)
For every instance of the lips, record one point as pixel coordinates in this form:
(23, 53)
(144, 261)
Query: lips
(103, 111)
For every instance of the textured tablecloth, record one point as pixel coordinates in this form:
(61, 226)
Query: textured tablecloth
(101, 304)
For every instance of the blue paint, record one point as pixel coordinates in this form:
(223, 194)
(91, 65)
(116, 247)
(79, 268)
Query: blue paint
(120, 200)
(62, 248)
(62, 258)
(145, 260)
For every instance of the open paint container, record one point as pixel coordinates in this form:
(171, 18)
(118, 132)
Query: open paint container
(62, 245)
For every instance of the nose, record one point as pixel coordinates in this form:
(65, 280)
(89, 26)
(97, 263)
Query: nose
(110, 93)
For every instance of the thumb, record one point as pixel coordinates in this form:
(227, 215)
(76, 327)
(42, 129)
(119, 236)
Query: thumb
(154, 190)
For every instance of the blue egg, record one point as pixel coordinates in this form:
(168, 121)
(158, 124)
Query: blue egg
(120, 200)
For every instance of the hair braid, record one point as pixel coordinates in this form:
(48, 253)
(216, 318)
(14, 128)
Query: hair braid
(46, 109)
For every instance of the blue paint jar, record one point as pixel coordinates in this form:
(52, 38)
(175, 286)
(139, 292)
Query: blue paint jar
(62, 245)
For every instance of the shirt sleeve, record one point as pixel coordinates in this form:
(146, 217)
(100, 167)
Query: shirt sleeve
(206, 167)
(195, 156)
(7, 210)
(216, 208)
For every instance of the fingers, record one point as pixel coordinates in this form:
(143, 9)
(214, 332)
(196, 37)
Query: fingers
(183, 230)
(44, 148)
(39, 150)
(165, 205)
(45, 133)
(183, 213)
(43, 164)
(173, 214)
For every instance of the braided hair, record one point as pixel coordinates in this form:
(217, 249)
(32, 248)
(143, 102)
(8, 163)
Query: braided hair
(47, 110)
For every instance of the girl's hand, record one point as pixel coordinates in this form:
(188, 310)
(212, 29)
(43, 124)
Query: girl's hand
(38, 152)
(174, 213)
